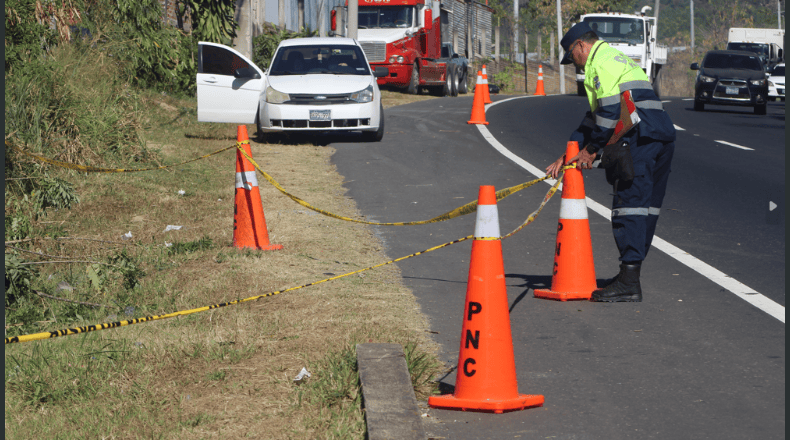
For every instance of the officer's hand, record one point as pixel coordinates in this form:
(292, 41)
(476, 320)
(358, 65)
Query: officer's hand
(583, 160)
(554, 169)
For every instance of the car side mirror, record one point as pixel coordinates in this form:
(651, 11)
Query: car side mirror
(246, 72)
(694, 66)
(381, 72)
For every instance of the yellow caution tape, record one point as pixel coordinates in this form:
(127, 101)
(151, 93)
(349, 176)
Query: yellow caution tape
(90, 169)
(108, 325)
(458, 212)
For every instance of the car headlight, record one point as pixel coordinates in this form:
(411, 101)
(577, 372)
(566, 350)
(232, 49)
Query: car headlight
(771, 84)
(363, 95)
(707, 79)
(757, 82)
(276, 97)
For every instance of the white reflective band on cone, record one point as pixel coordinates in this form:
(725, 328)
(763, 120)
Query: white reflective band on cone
(246, 180)
(484, 70)
(480, 79)
(573, 209)
(487, 224)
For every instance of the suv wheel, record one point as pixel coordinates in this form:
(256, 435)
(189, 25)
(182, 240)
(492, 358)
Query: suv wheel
(760, 109)
(699, 106)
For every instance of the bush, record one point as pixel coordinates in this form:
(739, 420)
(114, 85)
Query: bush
(266, 43)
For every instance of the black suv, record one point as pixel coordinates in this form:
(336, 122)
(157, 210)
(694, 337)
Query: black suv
(731, 77)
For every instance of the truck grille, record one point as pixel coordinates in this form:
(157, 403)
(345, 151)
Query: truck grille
(375, 51)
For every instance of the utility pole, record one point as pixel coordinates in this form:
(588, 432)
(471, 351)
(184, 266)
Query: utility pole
(281, 14)
(353, 18)
(514, 50)
(559, 33)
(300, 20)
(692, 27)
(779, 13)
(526, 53)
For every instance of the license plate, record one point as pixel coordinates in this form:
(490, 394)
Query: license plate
(320, 115)
(732, 90)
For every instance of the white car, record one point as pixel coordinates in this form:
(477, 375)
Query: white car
(776, 83)
(313, 84)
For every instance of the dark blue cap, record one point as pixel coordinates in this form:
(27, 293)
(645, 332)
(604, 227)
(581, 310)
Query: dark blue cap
(572, 35)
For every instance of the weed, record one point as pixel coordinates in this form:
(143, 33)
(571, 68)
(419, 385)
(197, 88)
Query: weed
(191, 246)
(422, 369)
(217, 375)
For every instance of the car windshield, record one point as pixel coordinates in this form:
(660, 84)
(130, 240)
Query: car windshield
(374, 17)
(618, 29)
(779, 71)
(319, 59)
(758, 48)
(731, 61)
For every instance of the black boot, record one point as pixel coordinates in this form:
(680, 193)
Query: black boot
(624, 288)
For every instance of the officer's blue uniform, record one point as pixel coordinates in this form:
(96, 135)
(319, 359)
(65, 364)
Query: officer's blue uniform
(636, 204)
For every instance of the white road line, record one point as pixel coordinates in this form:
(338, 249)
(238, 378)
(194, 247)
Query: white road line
(666, 101)
(679, 128)
(735, 145)
(688, 99)
(739, 289)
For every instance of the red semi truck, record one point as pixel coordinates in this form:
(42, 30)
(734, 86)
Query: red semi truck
(405, 36)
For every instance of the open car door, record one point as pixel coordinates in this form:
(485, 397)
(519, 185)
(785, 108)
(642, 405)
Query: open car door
(229, 85)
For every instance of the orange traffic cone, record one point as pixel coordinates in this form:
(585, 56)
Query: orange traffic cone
(486, 93)
(478, 106)
(249, 224)
(574, 269)
(539, 88)
(486, 374)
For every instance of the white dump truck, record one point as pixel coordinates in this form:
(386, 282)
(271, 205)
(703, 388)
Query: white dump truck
(635, 36)
(767, 43)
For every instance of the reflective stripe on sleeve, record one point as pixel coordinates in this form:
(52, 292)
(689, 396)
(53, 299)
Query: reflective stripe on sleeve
(637, 84)
(605, 123)
(609, 100)
(487, 224)
(651, 105)
(246, 180)
(619, 212)
(573, 209)
(654, 211)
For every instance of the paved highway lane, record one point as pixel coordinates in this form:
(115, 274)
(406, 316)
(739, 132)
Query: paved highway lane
(717, 204)
(691, 361)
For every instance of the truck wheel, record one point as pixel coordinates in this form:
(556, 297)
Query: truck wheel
(414, 84)
(463, 87)
(580, 89)
(657, 84)
(454, 81)
(447, 89)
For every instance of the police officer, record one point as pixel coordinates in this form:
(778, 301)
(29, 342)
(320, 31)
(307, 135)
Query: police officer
(638, 163)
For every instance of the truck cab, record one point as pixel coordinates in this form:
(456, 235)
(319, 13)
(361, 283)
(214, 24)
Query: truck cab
(632, 34)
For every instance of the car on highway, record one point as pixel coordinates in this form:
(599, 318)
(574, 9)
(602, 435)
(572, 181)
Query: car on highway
(776, 83)
(312, 85)
(731, 77)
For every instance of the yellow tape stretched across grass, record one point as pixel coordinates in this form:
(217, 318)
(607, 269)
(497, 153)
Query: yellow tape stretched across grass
(90, 169)
(104, 326)
(457, 212)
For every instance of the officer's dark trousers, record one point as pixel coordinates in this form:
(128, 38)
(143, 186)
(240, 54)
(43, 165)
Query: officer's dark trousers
(637, 204)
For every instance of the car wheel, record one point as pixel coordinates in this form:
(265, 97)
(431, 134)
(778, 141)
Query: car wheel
(760, 109)
(261, 137)
(463, 87)
(699, 106)
(414, 83)
(376, 136)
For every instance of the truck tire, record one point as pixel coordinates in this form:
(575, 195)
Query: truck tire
(463, 87)
(414, 83)
(454, 82)
(447, 88)
(580, 89)
(657, 83)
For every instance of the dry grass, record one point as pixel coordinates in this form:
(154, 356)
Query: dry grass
(225, 373)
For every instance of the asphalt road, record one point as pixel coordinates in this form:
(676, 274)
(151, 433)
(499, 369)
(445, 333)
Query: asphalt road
(691, 361)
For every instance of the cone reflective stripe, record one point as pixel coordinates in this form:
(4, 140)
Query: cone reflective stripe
(486, 374)
(539, 88)
(249, 223)
(486, 93)
(573, 275)
(478, 105)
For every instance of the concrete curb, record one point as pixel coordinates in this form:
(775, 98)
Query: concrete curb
(391, 411)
